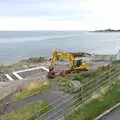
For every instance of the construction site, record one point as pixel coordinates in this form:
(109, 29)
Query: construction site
(64, 76)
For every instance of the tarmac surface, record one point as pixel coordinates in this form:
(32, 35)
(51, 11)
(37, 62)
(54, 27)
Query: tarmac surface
(114, 115)
(58, 99)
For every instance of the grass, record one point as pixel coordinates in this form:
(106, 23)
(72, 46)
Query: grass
(82, 77)
(86, 76)
(32, 89)
(64, 84)
(39, 107)
(96, 106)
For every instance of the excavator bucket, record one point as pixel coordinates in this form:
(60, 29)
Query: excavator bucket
(51, 73)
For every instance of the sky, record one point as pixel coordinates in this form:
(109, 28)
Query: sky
(59, 14)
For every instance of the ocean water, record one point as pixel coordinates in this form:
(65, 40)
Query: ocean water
(17, 45)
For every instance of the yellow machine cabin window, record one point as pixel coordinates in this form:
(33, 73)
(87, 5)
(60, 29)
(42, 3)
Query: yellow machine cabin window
(77, 62)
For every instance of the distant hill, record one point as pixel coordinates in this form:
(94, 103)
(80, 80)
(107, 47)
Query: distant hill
(107, 30)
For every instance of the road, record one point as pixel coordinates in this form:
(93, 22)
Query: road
(114, 115)
(56, 112)
(52, 95)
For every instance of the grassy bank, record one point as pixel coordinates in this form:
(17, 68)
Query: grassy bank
(82, 78)
(32, 89)
(96, 106)
(26, 113)
(67, 83)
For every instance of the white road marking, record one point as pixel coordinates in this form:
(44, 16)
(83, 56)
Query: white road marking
(35, 68)
(9, 77)
(30, 69)
(18, 76)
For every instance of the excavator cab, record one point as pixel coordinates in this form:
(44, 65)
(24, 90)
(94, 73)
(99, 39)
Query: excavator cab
(77, 62)
(79, 65)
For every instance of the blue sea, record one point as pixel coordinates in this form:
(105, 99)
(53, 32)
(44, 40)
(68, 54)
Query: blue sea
(17, 45)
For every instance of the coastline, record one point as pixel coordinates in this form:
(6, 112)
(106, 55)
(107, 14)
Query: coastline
(107, 31)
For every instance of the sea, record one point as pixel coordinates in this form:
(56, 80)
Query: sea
(18, 45)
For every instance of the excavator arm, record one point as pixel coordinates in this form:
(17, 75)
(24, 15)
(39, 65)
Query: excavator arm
(62, 54)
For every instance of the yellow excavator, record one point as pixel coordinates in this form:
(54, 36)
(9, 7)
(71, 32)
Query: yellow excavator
(76, 64)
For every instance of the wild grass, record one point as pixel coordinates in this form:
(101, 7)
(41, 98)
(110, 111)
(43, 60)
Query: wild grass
(27, 112)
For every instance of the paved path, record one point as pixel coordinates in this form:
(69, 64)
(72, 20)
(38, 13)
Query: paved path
(52, 95)
(58, 110)
(114, 115)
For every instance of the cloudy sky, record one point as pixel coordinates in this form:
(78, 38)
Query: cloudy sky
(59, 14)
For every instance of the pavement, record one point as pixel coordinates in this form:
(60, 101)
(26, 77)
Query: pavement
(56, 112)
(52, 95)
(114, 115)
